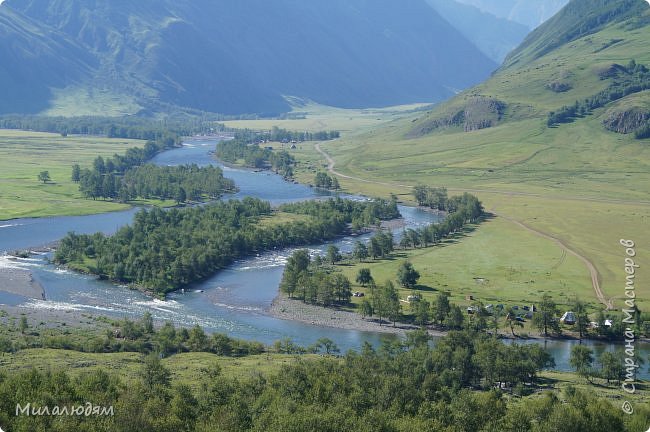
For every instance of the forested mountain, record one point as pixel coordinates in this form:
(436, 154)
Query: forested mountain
(228, 57)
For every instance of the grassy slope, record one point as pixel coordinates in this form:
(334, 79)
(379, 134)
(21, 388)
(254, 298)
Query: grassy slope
(24, 154)
(577, 182)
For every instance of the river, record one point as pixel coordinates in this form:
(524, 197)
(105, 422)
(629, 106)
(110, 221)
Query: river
(234, 301)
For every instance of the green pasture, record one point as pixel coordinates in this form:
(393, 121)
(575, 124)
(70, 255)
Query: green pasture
(24, 154)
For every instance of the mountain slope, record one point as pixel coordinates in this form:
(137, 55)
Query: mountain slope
(582, 184)
(246, 56)
(579, 18)
(36, 54)
(494, 36)
(530, 13)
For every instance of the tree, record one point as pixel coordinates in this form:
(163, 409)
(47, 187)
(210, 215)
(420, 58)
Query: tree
(44, 176)
(333, 254)
(365, 309)
(611, 367)
(422, 313)
(391, 302)
(155, 375)
(364, 277)
(455, 318)
(181, 195)
(360, 251)
(147, 323)
(546, 317)
(582, 319)
(76, 173)
(420, 193)
(407, 276)
(341, 285)
(328, 345)
(441, 308)
(511, 317)
(581, 359)
(23, 326)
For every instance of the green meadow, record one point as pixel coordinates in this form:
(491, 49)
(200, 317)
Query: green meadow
(577, 184)
(24, 154)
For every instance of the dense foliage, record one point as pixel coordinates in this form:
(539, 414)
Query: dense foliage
(165, 250)
(359, 214)
(246, 147)
(457, 386)
(325, 181)
(625, 81)
(181, 183)
(113, 127)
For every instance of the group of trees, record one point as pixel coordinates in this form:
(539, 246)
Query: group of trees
(325, 181)
(180, 183)
(313, 282)
(105, 179)
(625, 81)
(467, 381)
(244, 147)
(358, 214)
(459, 385)
(282, 135)
(165, 250)
(609, 365)
(436, 198)
(131, 127)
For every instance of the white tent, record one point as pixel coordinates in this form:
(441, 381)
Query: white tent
(568, 318)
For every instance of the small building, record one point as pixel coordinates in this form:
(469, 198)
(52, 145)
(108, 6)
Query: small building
(568, 318)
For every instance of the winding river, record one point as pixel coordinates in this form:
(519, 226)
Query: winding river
(235, 301)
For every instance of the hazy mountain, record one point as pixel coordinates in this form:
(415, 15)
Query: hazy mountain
(494, 36)
(233, 56)
(530, 13)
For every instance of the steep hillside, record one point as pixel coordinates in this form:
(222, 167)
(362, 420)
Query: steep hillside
(579, 178)
(579, 18)
(246, 56)
(33, 53)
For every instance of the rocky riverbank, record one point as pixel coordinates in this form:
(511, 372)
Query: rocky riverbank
(15, 279)
(295, 310)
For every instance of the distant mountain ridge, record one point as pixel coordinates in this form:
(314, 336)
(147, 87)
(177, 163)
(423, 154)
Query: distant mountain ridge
(228, 57)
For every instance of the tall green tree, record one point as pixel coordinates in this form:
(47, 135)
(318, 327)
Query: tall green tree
(391, 301)
(360, 251)
(407, 276)
(364, 277)
(582, 319)
(546, 317)
(582, 358)
(441, 308)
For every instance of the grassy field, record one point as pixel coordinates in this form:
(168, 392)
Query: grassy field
(579, 183)
(312, 117)
(487, 264)
(24, 154)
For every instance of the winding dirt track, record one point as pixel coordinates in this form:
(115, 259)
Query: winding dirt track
(595, 276)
